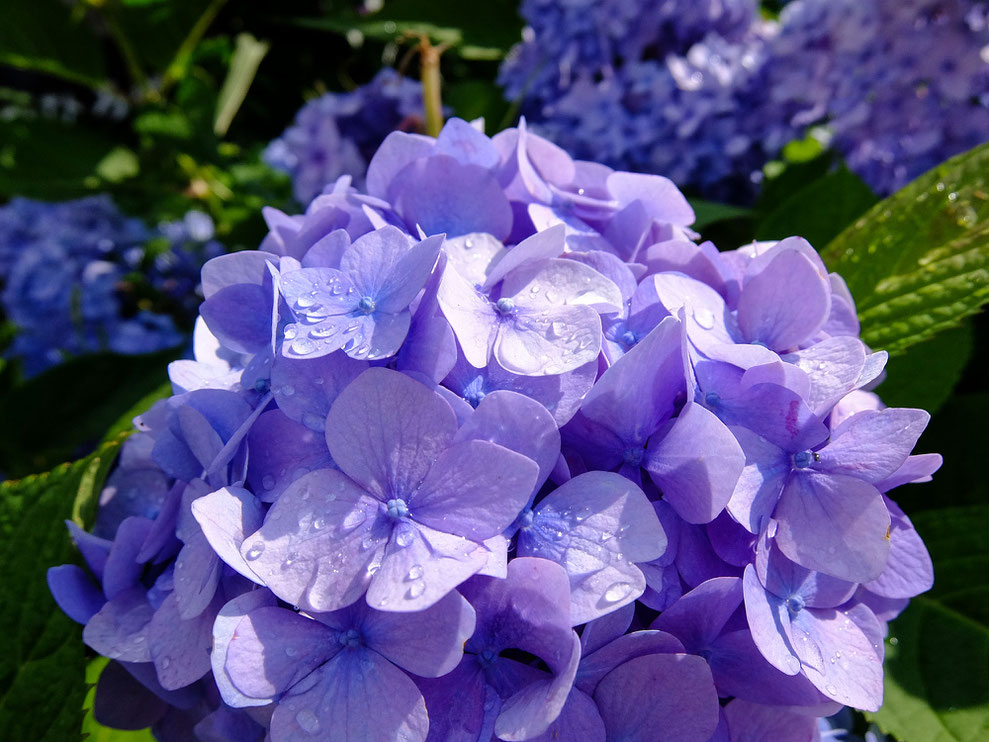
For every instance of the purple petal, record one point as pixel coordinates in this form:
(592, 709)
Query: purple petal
(659, 195)
(699, 617)
(579, 720)
(120, 629)
(386, 430)
(528, 610)
(441, 195)
(420, 566)
(122, 568)
(786, 303)
(475, 489)
(318, 541)
(761, 481)
(460, 703)
(659, 697)
(180, 648)
(516, 422)
(428, 643)
(918, 468)
(282, 451)
(909, 571)
(227, 516)
(596, 526)
(123, 703)
(549, 342)
(834, 366)
(609, 627)
(334, 703)
(540, 247)
(240, 316)
(306, 388)
(197, 574)
(530, 711)
(272, 649)
(633, 396)
(224, 628)
(594, 667)
(873, 444)
(398, 150)
(472, 317)
(834, 524)
(559, 282)
(769, 622)
(750, 722)
(75, 592)
(838, 658)
(246, 266)
(463, 142)
(696, 463)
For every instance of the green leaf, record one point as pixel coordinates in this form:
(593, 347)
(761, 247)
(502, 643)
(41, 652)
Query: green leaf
(46, 36)
(244, 64)
(937, 662)
(918, 262)
(43, 663)
(913, 380)
(710, 212)
(50, 417)
(481, 31)
(820, 210)
(117, 165)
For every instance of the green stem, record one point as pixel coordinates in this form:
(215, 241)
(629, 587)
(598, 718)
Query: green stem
(429, 60)
(180, 62)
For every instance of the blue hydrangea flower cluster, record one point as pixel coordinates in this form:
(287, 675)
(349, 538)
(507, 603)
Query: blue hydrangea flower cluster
(497, 450)
(338, 133)
(900, 86)
(64, 268)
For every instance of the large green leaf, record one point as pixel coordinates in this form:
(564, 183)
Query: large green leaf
(47, 36)
(43, 663)
(937, 667)
(918, 262)
(52, 416)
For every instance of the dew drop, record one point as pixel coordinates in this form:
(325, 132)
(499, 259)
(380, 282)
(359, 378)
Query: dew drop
(313, 421)
(288, 390)
(165, 662)
(417, 589)
(303, 346)
(404, 537)
(354, 518)
(323, 331)
(318, 524)
(617, 591)
(268, 482)
(291, 651)
(308, 721)
(793, 664)
(255, 551)
(830, 690)
(290, 332)
(556, 329)
(416, 572)
(305, 301)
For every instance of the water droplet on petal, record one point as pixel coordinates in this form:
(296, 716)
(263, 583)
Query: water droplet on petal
(322, 331)
(318, 524)
(416, 572)
(404, 537)
(303, 346)
(255, 551)
(617, 591)
(313, 421)
(353, 519)
(830, 690)
(288, 390)
(165, 662)
(308, 721)
(704, 318)
(290, 332)
(268, 482)
(417, 589)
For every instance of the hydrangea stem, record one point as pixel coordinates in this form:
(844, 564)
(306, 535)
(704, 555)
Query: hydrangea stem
(429, 56)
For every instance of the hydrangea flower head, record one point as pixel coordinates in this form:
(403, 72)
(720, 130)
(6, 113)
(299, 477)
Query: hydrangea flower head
(497, 451)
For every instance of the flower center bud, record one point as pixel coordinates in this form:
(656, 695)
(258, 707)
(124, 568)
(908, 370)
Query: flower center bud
(397, 508)
(795, 604)
(505, 306)
(487, 657)
(803, 459)
(525, 519)
(628, 338)
(633, 456)
(261, 386)
(350, 639)
(366, 305)
(712, 399)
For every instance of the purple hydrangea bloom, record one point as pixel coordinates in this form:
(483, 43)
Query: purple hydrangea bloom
(337, 133)
(707, 93)
(497, 451)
